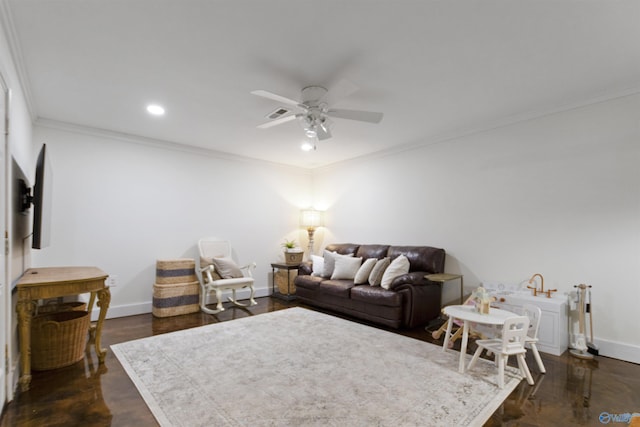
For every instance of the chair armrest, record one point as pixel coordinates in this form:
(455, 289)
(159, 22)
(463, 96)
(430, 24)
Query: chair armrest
(252, 266)
(248, 268)
(207, 272)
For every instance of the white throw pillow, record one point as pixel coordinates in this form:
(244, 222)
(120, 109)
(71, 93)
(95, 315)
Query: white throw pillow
(317, 264)
(346, 268)
(398, 267)
(362, 275)
(227, 268)
(330, 262)
(378, 270)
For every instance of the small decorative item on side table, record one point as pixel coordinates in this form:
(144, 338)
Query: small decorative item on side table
(292, 253)
(286, 288)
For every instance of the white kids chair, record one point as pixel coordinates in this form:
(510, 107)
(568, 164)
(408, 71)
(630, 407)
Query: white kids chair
(514, 333)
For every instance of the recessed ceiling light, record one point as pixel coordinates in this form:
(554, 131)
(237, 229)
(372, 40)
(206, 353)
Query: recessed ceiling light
(155, 109)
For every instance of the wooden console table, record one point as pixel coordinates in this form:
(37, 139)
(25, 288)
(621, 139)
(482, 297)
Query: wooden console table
(53, 282)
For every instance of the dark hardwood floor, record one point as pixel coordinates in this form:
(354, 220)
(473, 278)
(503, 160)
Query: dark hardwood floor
(572, 392)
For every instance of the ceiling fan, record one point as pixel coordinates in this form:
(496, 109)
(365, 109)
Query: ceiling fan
(315, 109)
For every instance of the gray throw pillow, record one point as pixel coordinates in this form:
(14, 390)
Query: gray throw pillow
(375, 278)
(362, 276)
(227, 268)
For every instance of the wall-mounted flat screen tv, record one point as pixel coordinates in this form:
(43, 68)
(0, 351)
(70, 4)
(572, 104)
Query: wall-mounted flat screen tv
(42, 201)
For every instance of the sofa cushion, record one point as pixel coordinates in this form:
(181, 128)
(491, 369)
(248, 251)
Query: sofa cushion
(308, 282)
(421, 258)
(376, 295)
(372, 251)
(341, 288)
(398, 267)
(362, 276)
(378, 270)
(346, 267)
(330, 262)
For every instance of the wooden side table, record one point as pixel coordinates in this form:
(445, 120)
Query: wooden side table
(442, 278)
(53, 282)
(290, 295)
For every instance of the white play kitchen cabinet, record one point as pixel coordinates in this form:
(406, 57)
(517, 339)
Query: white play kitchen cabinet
(553, 334)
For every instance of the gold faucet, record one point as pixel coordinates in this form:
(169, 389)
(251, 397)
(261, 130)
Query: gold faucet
(541, 291)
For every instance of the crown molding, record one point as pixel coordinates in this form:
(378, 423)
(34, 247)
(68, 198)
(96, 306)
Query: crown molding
(16, 55)
(160, 144)
(485, 127)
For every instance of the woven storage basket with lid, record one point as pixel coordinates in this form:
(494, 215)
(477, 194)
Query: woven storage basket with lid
(175, 299)
(170, 271)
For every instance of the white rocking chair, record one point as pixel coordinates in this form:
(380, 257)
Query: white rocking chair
(214, 250)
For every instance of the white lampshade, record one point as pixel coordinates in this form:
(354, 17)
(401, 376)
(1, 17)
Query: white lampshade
(310, 218)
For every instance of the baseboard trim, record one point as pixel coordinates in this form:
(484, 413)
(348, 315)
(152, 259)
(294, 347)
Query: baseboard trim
(618, 350)
(125, 310)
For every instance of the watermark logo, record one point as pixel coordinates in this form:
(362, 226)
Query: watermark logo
(627, 418)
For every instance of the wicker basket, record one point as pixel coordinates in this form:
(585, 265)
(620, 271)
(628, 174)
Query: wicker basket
(64, 306)
(281, 281)
(58, 339)
(170, 271)
(175, 299)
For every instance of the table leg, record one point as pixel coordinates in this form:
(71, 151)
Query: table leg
(447, 334)
(273, 281)
(104, 298)
(25, 312)
(463, 347)
(92, 328)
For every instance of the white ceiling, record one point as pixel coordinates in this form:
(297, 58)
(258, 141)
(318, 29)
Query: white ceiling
(435, 68)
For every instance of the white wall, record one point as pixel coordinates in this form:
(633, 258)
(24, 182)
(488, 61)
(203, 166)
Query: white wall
(557, 195)
(21, 149)
(121, 205)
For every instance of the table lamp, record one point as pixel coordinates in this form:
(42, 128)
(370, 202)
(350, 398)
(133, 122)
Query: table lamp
(311, 219)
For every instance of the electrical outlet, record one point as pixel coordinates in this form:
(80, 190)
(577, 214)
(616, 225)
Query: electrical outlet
(112, 281)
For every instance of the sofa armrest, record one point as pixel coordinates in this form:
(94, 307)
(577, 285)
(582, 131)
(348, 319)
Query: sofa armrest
(305, 269)
(413, 278)
(422, 298)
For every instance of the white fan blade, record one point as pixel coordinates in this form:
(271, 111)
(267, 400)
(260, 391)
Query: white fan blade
(273, 96)
(340, 90)
(361, 116)
(278, 121)
(323, 132)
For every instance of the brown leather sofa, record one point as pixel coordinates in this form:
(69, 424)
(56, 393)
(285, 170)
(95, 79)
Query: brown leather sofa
(410, 301)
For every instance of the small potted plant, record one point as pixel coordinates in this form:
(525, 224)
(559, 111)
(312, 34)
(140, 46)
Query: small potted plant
(292, 253)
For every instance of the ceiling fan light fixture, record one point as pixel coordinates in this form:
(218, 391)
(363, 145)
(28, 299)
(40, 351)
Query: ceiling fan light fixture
(307, 146)
(155, 110)
(311, 133)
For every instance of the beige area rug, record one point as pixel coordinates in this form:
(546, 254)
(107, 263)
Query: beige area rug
(298, 367)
